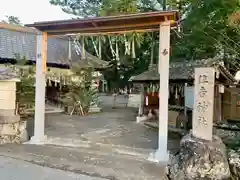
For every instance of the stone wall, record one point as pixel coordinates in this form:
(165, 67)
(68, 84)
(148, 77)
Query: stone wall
(12, 129)
(7, 95)
(14, 132)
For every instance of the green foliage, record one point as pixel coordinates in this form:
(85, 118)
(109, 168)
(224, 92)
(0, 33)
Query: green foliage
(234, 143)
(205, 30)
(84, 8)
(111, 8)
(92, 8)
(81, 93)
(113, 48)
(12, 20)
(25, 88)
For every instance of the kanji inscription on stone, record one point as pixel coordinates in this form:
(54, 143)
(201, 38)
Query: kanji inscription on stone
(202, 91)
(203, 103)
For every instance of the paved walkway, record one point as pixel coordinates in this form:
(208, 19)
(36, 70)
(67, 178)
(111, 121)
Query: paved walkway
(92, 163)
(120, 145)
(13, 169)
(113, 128)
(52, 109)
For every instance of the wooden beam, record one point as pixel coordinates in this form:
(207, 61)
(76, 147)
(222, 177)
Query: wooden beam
(144, 17)
(44, 51)
(109, 33)
(17, 28)
(112, 29)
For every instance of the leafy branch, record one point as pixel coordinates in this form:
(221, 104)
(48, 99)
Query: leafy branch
(81, 93)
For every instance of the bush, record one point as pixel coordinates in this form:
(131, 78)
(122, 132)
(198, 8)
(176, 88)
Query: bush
(81, 94)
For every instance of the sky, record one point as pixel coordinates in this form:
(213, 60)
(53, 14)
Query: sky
(29, 11)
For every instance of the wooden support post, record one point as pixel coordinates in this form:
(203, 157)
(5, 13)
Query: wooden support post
(69, 49)
(185, 111)
(40, 84)
(162, 155)
(140, 110)
(114, 100)
(103, 86)
(220, 93)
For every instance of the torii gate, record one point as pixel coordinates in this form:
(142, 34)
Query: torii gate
(161, 21)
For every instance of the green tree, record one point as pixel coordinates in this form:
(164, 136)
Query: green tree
(204, 29)
(120, 50)
(91, 8)
(12, 20)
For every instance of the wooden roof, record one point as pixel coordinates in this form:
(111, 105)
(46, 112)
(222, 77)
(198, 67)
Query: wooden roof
(20, 40)
(17, 28)
(184, 70)
(110, 24)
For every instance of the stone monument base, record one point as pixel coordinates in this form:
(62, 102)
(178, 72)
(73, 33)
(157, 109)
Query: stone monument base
(142, 119)
(199, 159)
(159, 156)
(234, 163)
(12, 130)
(38, 141)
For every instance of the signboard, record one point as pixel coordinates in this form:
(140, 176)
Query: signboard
(203, 103)
(189, 96)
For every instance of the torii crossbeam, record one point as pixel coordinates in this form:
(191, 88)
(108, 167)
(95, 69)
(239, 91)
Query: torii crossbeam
(161, 21)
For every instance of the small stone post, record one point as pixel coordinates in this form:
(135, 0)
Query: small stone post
(114, 100)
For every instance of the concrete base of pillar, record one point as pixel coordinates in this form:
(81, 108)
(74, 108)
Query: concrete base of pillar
(95, 109)
(141, 119)
(37, 141)
(159, 156)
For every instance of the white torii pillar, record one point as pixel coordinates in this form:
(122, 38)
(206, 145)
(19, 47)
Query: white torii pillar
(161, 154)
(40, 85)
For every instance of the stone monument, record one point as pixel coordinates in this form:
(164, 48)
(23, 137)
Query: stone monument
(12, 129)
(203, 103)
(202, 156)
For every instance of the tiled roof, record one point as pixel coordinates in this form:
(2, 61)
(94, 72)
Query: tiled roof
(184, 70)
(7, 74)
(23, 41)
